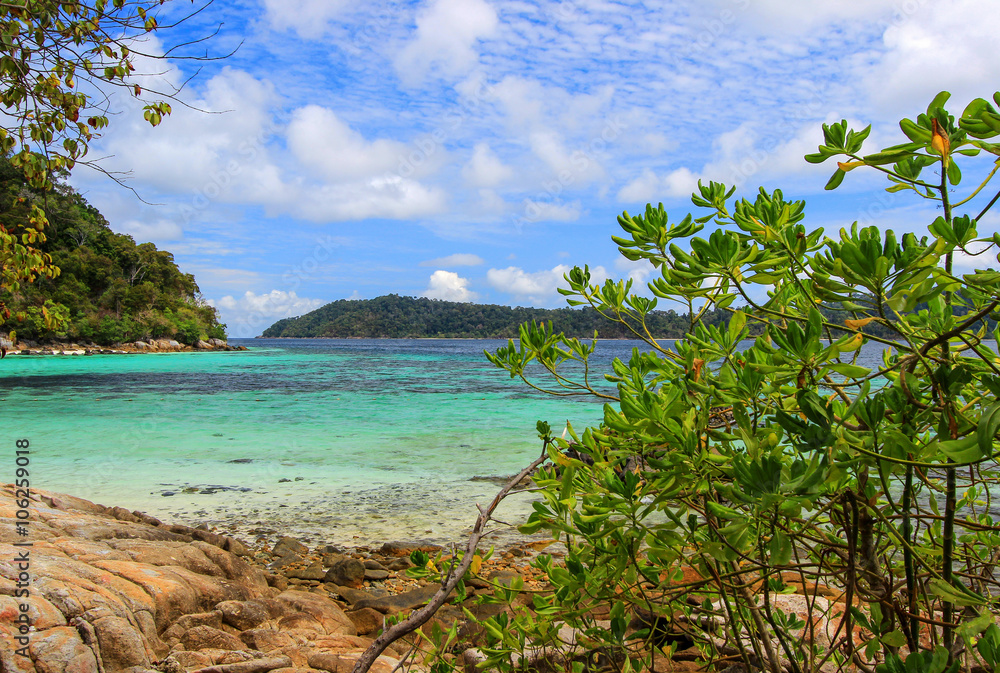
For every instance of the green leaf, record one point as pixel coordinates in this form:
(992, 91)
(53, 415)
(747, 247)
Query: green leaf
(780, 549)
(849, 370)
(957, 594)
(987, 430)
(894, 638)
(835, 180)
(975, 626)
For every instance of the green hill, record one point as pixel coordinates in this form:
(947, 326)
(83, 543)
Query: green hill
(393, 316)
(110, 290)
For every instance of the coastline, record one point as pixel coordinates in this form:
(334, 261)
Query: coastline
(129, 348)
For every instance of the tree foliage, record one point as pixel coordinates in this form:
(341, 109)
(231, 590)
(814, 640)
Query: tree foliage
(729, 473)
(60, 65)
(110, 289)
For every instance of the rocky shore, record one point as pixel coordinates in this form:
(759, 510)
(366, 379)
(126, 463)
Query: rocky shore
(151, 346)
(111, 590)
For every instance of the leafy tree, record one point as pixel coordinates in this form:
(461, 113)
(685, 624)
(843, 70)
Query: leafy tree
(730, 473)
(60, 63)
(110, 289)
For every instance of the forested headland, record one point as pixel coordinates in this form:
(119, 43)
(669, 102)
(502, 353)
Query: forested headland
(393, 316)
(398, 317)
(109, 289)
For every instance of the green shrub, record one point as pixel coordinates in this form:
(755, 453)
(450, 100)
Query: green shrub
(727, 473)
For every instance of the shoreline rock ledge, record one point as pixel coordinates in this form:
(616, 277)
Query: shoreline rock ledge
(113, 591)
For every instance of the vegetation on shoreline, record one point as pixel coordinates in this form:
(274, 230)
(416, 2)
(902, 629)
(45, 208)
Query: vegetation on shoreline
(784, 507)
(109, 289)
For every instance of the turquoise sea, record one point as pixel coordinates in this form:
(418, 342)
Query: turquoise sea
(343, 441)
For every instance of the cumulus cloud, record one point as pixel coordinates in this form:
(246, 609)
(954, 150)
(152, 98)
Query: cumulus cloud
(922, 52)
(322, 141)
(157, 231)
(449, 286)
(308, 18)
(458, 259)
(539, 286)
(391, 197)
(331, 173)
(485, 169)
(749, 154)
(446, 37)
(250, 314)
(274, 304)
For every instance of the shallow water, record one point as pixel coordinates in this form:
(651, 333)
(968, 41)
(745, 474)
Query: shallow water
(344, 441)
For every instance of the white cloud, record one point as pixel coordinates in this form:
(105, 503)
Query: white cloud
(746, 156)
(458, 259)
(308, 18)
(485, 169)
(391, 197)
(449, 286)
(323, 142)
(650, 188)
(160, 230)
(250, 314)
(942, 45)
(537, 287)
(446, 37)
(542, 209)
(638, 271)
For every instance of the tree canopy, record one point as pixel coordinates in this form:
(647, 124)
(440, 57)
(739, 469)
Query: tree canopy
(110, 289)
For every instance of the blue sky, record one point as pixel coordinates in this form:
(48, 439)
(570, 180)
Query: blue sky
(475, 150)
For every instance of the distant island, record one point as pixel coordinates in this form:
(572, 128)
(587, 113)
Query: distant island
(396, 317)
(109, 290)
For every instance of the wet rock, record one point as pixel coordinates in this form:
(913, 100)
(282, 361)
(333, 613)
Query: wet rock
(402, 563)
(347, 572)
(404, 548)
(367, 620)
(313, 572)
(289, 545)
(243, 615)
(206, 637)
(399, 602)
(286, 560)
(349, 595)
